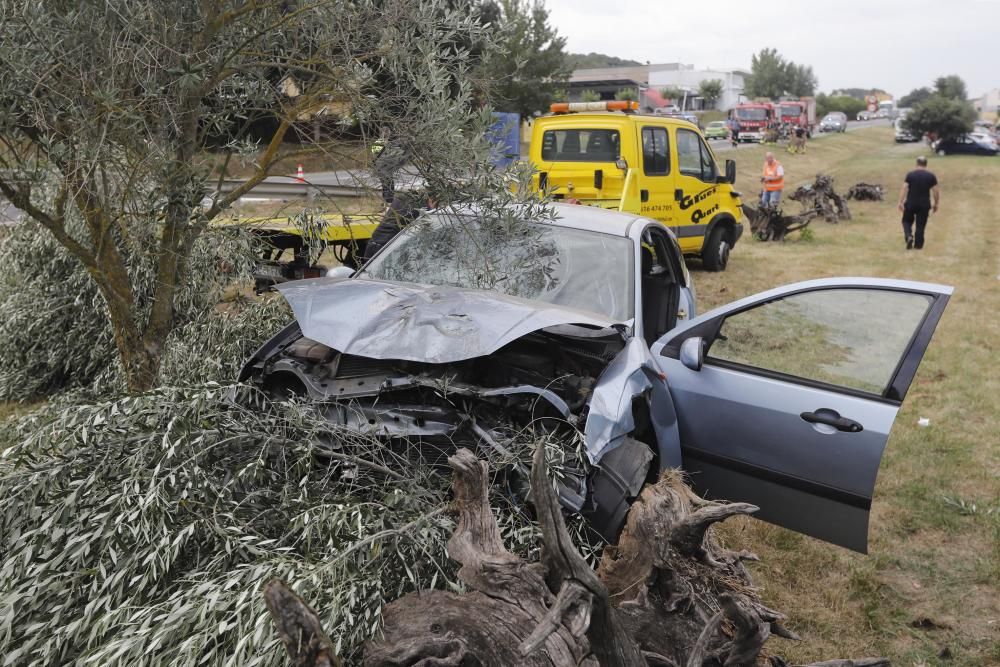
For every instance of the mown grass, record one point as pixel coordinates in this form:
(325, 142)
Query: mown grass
(929, 591)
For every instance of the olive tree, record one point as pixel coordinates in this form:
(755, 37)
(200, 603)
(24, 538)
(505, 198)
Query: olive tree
(711, 91)
(108, 109)
(941, 117)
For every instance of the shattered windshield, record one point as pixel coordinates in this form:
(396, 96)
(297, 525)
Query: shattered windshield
(544, 262)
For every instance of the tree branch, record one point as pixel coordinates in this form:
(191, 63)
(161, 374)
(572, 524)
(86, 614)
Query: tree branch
(55, 225)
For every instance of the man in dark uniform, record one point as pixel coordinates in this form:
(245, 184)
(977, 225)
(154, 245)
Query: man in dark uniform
(405, 208)
(915, 202)
(389, 158)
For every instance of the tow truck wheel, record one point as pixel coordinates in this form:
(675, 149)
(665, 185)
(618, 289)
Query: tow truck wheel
(715, 255)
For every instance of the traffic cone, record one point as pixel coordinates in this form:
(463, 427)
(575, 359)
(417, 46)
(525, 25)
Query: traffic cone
(300, 175)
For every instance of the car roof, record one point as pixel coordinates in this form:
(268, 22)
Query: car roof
(593, 219)
(574, 216)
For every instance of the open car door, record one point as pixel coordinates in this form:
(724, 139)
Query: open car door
(785, 399)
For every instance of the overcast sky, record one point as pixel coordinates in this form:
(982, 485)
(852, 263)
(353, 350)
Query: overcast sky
(897, 45)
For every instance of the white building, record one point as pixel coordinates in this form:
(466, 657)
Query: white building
(989, 103)
(648, 79)
(688, 79)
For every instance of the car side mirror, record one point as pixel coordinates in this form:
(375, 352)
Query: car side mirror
(693, 353)
(731, 171)
(340, 272)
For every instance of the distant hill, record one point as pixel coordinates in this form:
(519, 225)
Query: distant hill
(589, 60)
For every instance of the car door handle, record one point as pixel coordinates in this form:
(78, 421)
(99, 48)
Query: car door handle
(832, 418)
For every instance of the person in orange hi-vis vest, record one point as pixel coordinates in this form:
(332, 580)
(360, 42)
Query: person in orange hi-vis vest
(773, 180)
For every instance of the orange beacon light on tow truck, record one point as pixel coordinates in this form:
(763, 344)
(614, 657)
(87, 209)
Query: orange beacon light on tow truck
(612, 105)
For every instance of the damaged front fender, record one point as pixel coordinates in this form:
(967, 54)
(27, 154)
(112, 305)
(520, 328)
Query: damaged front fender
(632, 373)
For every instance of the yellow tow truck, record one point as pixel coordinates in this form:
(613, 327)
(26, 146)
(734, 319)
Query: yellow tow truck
(605, 154)
(345, 236)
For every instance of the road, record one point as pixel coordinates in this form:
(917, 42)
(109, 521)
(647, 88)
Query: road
(360, 178)
(723, 146)
(407, 179)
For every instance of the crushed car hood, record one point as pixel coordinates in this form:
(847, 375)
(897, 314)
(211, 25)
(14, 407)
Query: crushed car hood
(433, 324)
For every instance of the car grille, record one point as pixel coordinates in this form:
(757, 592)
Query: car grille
(350, 366)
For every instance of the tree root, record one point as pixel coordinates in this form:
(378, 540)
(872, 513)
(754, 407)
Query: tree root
(667, 595)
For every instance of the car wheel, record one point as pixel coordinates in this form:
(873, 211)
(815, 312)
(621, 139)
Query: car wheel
(715, 254)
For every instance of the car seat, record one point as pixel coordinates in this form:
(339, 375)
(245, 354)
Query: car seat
(656, 298)
(599, 147)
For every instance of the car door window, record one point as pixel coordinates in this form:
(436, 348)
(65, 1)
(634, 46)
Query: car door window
(707, 163)
(688, 153)
(655, 151)
(853, 338)
(693, 157)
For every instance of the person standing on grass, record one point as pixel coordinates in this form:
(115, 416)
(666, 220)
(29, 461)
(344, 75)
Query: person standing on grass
(773, 181)
(915, 202)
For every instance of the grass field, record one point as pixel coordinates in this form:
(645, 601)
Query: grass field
(929, 591)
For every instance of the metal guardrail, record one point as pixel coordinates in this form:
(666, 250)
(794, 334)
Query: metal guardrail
(294, 190)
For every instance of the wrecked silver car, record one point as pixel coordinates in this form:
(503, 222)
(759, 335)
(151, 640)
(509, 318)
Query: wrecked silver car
(464, 327)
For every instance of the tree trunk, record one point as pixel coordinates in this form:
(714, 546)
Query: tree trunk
(140, 363)
(667, 595)
(773, 225)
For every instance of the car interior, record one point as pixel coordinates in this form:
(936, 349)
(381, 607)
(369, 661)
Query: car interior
(660, 287)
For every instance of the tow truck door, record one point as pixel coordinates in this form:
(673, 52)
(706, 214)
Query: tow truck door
(785, 399)
(696, 191)
(654, 177)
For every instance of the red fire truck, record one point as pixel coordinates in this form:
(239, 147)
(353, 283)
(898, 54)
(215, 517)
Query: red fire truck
(801, 112)
(753, 117)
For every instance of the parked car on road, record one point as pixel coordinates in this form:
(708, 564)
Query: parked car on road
(865, 115)
(691, 118)
(671, 110)
(984, 137)
(466, 331)
(717, 129)
(964, 145)
(902, 135)
(835, 121)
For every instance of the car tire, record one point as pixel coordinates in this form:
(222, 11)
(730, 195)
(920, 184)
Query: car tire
(715, 254)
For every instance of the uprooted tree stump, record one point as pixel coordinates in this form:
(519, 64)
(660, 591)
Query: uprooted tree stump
(667, 595)
(866, 192)
(818, 200)
(771, 224)
(822, 198)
